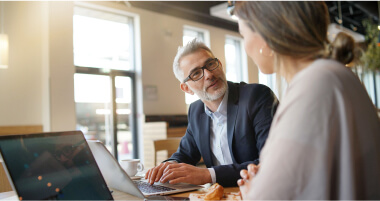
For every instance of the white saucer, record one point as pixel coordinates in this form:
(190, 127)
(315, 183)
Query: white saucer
(136, 177)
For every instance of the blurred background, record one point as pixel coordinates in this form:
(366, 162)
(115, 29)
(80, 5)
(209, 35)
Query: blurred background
(105, 67)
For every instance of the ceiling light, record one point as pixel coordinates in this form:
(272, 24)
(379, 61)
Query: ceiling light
(340, 21)
(220, 11)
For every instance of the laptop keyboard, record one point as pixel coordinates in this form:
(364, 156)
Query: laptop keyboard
(145, 187)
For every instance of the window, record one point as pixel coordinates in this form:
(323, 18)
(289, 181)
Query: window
(104, 82)
(371, 82)
(270, 81)
(103, 40)
(236, 62)
(189, 33)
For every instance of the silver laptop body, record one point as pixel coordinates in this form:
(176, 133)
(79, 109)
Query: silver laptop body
(118, 179)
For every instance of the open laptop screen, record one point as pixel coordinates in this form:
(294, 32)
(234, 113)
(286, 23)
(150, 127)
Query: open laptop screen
(53, 166)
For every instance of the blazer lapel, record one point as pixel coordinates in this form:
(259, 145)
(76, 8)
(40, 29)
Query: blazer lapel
(232, 110)
(204, 139)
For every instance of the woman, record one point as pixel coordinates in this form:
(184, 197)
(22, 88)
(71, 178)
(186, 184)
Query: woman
(324, 141)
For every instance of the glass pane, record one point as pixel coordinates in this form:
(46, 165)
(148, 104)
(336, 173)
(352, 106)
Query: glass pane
(270, 81)
(371, 83)
(102, 40)
(124, 118)
(189, 35)
(234, 63)
(93, 108)
(233, 71)
(368, 81)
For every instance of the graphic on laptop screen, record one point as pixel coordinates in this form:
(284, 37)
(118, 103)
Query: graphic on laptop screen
(53, 166)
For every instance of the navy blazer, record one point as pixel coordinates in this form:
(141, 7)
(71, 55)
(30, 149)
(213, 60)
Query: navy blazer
(250, 110)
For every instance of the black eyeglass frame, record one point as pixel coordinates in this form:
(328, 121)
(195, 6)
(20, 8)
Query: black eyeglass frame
(203, 70)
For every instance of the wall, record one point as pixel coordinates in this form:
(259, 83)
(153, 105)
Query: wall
(166, 33)
(160, 37)
(37, 88)
(61, 66)
(21, 92)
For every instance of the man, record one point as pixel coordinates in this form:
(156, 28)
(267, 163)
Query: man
(228, 126)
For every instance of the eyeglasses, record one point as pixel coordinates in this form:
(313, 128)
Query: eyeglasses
(198, 73)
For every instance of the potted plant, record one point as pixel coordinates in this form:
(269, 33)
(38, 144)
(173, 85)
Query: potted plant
(370, 61)
(371, 56)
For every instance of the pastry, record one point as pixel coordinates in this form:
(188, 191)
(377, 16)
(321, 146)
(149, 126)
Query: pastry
(231, 196)
(215, 192)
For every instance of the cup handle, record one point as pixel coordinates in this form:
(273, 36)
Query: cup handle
(140, 167)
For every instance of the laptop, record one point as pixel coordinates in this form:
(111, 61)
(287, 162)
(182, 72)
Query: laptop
(54, 166)
(118, 179)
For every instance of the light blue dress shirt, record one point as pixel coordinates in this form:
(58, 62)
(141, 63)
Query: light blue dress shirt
(221, 153)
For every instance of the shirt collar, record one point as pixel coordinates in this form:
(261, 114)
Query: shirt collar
(222, 109)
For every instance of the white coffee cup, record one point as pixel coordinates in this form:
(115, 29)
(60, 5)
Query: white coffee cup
(132, 166)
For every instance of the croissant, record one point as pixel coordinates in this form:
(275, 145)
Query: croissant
(215, 192)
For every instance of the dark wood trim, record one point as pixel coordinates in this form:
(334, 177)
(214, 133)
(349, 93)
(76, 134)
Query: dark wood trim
(172, 120)
(170, 8)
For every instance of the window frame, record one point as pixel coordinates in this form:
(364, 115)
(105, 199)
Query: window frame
(112, 73)
(244, 62)
(206, 35)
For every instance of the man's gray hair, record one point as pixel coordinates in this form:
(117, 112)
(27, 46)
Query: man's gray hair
(191, 47)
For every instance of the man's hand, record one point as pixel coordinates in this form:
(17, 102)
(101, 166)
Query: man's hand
(182, 172)
(246, 178)
(155, 174)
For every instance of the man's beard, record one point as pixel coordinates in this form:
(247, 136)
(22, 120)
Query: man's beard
(204, 95)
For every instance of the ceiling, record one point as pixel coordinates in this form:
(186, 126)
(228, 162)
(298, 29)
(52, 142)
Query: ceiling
(353, 12)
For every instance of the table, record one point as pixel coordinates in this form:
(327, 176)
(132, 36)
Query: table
(118, 195)
(203, 190)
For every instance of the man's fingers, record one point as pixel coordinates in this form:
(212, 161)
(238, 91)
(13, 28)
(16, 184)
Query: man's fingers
(173, 175)
(168, 175)
(160, 173)
(176, 177)
(152, 175)
(176, 173)
(178, 180)
(172, 166)
(147, 174)
(154, 172)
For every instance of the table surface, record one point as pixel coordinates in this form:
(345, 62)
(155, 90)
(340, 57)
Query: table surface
(118, 195)
(203, 190)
